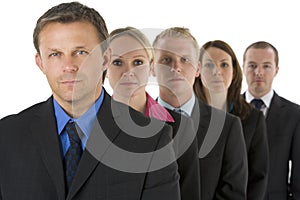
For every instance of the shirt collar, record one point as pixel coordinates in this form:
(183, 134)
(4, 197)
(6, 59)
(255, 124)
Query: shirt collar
(85, 122)
(153, 109)
(267, 98)
(186, 107)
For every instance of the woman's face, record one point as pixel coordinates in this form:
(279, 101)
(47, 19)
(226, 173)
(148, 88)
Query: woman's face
(130, 67)
(216, 70)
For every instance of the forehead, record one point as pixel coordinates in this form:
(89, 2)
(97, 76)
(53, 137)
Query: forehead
(177, 46)
(216, 53)
(80, 31)
(261, 55)
(126, 44)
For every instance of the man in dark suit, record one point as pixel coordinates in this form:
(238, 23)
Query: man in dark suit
(282, 119)
(77, 144)
(222, 150)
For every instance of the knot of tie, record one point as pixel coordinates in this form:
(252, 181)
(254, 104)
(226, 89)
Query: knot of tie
(180, 111)
(258, 103)
(72, 132)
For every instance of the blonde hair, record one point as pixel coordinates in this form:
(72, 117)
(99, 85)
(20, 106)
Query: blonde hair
(135, 34)
(177, 32)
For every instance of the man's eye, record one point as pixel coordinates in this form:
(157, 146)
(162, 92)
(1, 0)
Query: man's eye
(185, 60)
(252, 66)
(165, 60)
(267, 66)
(54, 54)
(81, 52)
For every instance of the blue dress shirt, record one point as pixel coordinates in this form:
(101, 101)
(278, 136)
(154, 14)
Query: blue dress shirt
(85, 122)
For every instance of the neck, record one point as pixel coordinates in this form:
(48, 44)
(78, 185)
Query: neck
(258, 94)
(76, 108)
(135, 101)
(217, 100)
(175, 100)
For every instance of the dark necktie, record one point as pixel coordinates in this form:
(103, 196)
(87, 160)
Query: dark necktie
(73, 154)
(180, 111)
(258, 103)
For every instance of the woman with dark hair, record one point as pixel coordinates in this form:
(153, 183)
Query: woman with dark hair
(219, 85)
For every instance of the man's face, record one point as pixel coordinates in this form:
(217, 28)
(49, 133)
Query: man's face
(176, 65)
(260, 69)
(71, 58)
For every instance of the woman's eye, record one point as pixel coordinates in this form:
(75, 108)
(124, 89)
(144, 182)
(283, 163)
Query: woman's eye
(138, 62)
(117, 63)
(224, 65)
(209, 65)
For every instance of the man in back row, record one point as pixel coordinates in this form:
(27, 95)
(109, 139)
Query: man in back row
(260, 66)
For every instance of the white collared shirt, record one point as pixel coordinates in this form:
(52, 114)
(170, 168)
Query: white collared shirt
(187, 107)
(266, 99)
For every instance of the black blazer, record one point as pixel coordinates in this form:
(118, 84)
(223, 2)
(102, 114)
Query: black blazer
(31, 164)
(186, 148)
(222, 152)
(255, 135)
(283, 128)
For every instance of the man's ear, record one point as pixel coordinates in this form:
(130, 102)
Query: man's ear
(198, 69)
(106, 59)
(39, 63)
(276, 70)
(152, 71)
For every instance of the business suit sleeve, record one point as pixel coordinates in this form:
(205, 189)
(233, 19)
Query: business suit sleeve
(163, 183)
(235, 168)
(258, 161)
(295, 173)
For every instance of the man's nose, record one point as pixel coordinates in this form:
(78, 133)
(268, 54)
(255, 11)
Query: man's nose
(70, 65)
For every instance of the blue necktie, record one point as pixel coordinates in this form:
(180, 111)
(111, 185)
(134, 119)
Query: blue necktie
(258, 103)
(73, 154)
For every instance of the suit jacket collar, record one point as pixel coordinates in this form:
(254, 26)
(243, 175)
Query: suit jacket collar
(201, 114)
(44, 134)
(106, 130)
(103, 133)
(209, 126)
(275, 109)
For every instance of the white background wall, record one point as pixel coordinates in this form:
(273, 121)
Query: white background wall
(238, 22)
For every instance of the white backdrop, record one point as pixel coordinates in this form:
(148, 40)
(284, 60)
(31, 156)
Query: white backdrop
(237, 22)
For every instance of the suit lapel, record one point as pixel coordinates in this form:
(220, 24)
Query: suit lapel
(44, 134)
(210, 126)
(96, 146)
(201, 118)
(274, 115)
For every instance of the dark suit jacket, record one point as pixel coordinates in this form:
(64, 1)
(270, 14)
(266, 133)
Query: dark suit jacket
(31, 164)
(255, 135)
(186, 148)
(223, 157)
(283, 128)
